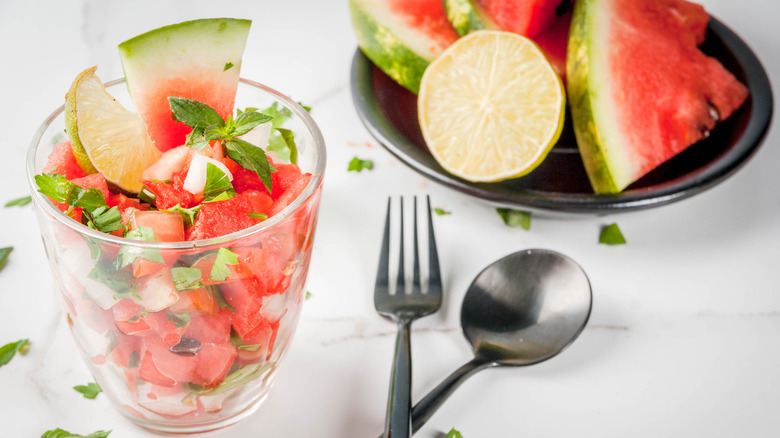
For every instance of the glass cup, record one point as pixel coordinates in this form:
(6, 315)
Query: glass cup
(174, 347)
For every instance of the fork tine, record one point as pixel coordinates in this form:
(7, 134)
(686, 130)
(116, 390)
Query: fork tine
(434, 276)
(400, 287)
(416, 265)
(382, 284)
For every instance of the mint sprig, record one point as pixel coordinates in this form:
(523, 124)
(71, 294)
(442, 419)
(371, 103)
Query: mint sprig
(58, 188)
(218, 186)
(220, 270)
(207, 125)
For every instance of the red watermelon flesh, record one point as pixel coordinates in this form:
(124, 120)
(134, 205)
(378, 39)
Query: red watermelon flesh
(525, 17)
(62, 161)
(428, 17)
(647, 92)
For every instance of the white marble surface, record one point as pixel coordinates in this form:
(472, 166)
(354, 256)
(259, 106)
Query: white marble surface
(682, 340)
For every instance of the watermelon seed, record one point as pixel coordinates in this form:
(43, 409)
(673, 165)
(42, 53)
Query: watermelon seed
(186, 347)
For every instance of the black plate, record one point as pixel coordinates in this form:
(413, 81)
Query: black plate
(560, 183)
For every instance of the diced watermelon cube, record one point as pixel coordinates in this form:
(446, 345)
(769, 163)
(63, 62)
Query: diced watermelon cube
(245, 179)
(290, 194)
(62, 162)
(95, 181)
(284, 178)
(125, 353)
(127, 317)
(195, 301)
(161, 367)
(169, 194)
(214, 362)
(213, 329)
(164, 328)
(172, 161)
(163, 400)
(262, 342)
(246, 296)
(224, 217)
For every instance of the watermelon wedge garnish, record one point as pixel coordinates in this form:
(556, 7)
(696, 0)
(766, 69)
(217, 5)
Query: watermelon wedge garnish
(640, 89)
(198, 60)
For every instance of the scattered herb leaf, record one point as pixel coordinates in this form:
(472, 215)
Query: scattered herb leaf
(453, 434)
(188, 214)
(308, 295)
(228, 66)
(4, 252)
(8, 351)
(19, 202)
(59, 433)
(358, 165)
(105, 219)
(441, 212)
(90, 390)
(255, 215)
(220, 270)
(611, 235)
(116, 279)
(218, 186)
(515, 218)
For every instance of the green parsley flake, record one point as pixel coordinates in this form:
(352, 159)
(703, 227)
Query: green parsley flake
(4, 252)
(90, 390)
(8, 351)
(358, 165)
(441, 212)
(19, 202)
(220, 270)
(453, 434)
(611, 235)
(59, 433)
(515, 218)
(228, 66)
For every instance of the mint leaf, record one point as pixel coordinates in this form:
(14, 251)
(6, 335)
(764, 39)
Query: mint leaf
(289, 140)
(186, 278)
(130, 253)
(58, 188)
(252, 158)
(358, 165)
(105, 219)
(188, 214)
(220, 270)
(4, 252)
(453, 434)
(248, 120)
(515, 218)
(90, 390)
(255, 215)
(611, 235)
(219, 298)
(19, 202)
(441, 212)
(8, 351)
(218, 187)
(193, 113)
(59, 433)
(228, 66)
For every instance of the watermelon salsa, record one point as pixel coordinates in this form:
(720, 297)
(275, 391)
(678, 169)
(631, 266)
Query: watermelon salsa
(182, 309)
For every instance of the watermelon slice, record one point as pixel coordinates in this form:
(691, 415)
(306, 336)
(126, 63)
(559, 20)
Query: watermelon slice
(402, 36)
(640, 89)
(199, 60)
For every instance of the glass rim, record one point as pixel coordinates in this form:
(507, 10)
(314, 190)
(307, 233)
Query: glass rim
(44, 202)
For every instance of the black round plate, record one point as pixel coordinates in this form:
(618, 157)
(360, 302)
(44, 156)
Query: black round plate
(560, 183)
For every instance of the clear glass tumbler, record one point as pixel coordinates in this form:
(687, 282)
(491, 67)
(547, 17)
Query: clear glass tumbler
(173, 347)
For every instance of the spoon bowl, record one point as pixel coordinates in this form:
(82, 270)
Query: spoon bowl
(521, 310)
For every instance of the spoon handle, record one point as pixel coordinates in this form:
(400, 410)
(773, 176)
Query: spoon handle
(431, 403)
(399, 404)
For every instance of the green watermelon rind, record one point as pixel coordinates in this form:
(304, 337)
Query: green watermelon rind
(387, 50)
(465, 17)
(587, 113)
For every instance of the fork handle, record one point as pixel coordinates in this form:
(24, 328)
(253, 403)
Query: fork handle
(398, 422)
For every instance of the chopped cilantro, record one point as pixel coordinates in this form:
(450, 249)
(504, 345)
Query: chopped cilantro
(220, 270)
(130, 253)
(515, 218)
(90, 390)
(59, 433)
(218, 186)
(19, 202)
(358, 165)
(8, 351)
(4, 252)
(611, 235)
(105, 219)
